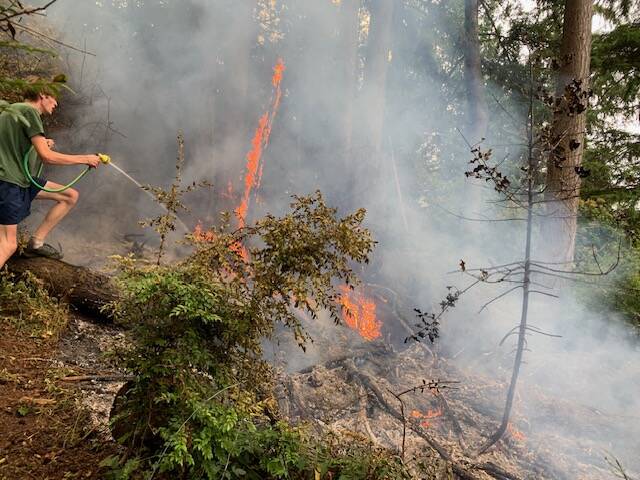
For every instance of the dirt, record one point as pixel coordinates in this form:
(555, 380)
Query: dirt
(51, 428)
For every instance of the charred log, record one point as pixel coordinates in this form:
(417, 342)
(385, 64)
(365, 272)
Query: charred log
(86, 290)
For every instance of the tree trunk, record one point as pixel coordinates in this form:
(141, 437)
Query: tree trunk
(87, 291)
(477, 116)
(348, 52)
(568, 130)
(366, 167)
(378, 58)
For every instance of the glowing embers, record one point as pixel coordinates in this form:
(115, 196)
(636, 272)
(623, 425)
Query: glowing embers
(427, 418)
(359, 313)
(260, 141)
(515, 434)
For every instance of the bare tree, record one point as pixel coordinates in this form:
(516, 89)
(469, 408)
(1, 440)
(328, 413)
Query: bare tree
(526, 195)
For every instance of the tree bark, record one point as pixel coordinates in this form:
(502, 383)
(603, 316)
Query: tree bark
(568, 130)
(348, 51)
(378, 58)
(87, 291)
(477, 116)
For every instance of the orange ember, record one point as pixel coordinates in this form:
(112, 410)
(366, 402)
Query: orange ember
(516, 434)
(260, 141)
(427, 417)
(360, 313)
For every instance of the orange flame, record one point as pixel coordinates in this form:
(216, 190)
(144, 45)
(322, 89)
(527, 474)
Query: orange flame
(260, 141)
(203, 236)
(200, 235)
(360, 313)
(427, 417)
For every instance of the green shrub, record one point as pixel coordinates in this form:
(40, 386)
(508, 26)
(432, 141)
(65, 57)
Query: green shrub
(201, 404)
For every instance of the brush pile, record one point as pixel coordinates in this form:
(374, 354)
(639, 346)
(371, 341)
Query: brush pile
(447, 418)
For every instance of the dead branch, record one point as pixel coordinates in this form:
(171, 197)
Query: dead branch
(457, 428)
(98, 378)
(495, 299)
(460, 470)
(365, 419)
(404, 422)
(26, 11)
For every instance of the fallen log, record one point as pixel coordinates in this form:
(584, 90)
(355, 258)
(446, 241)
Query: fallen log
(86, 290)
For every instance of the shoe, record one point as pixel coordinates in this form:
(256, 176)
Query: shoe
(45, 250)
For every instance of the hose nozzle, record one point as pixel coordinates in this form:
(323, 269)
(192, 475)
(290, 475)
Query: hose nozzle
(106, 159)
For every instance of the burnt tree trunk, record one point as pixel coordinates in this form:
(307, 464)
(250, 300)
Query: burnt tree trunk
(85, 290)
(477, 116)
(568, 129)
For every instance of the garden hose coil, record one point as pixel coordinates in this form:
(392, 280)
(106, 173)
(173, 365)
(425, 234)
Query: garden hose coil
(25, 166)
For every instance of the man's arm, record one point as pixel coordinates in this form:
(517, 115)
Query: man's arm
(52, 157)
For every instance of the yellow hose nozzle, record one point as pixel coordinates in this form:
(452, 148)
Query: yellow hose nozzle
(106, 159)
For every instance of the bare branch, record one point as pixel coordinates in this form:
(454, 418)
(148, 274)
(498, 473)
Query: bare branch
(499, 297)
(26, 11)
(35, 32)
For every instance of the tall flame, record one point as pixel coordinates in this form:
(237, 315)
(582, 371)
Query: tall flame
(360, 313)
(260, 141)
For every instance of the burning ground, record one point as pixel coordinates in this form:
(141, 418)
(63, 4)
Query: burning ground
(266, 120)
(374, 388)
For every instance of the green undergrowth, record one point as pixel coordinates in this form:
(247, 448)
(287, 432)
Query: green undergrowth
(26, 304)
(201, 405)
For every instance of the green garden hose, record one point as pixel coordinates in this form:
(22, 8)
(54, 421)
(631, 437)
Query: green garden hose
(25, 166)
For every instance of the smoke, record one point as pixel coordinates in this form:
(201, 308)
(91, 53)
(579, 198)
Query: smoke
(197, 66)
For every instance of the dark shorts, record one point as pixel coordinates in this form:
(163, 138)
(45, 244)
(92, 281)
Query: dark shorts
(15, 201)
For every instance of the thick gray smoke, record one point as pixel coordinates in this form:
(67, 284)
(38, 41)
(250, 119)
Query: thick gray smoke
(164, 66)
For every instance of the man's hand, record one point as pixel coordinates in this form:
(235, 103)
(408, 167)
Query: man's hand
(50, 143)
(92, 160)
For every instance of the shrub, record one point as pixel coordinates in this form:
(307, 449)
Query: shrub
(201, 405)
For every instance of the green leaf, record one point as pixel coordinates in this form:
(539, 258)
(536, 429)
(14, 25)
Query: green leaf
(23, 410)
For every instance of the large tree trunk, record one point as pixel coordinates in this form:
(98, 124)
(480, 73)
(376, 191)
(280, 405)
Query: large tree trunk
(477, 116)
(378, 58)
(82, 288)
(568, 130)
(348, 52)
(367, 167)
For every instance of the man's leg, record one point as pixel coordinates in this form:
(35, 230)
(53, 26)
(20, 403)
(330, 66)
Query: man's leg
(8, 242)
(65, 201)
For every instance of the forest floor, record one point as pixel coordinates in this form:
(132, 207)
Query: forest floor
(50, 427)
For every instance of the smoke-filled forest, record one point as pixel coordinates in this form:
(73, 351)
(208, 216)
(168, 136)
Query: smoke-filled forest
(322, 239)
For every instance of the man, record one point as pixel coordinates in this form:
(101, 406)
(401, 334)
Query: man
(16, 191)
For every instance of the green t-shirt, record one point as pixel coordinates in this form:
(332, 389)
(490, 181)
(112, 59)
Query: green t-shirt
(15, 142)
